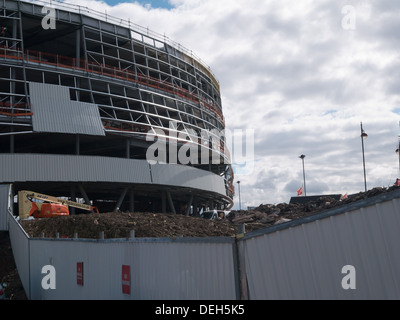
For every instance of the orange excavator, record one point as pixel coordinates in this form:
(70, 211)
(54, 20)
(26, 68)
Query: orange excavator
(46, 206)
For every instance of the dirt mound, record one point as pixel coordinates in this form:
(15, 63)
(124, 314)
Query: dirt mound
(267, 215)
(118, 225)
(151, 225)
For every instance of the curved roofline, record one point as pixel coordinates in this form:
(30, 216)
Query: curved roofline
(145, 31)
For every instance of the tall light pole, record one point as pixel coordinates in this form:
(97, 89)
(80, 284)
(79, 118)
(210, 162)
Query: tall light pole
(398, 150)
(364, 136)
(240, 205)
(304, 175)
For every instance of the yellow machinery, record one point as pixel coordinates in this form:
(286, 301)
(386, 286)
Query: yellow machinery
(48, 208)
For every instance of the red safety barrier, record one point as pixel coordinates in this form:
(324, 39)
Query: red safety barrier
(15, 110)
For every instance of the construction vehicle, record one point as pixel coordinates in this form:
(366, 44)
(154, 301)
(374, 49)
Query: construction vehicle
(48, 207)
(214, 214)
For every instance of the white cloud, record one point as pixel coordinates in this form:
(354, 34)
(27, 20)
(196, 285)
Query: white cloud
(291, 72)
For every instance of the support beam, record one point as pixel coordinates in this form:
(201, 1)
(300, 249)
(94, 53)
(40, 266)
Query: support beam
(128, 148)
(84, 195)
(132, 200)
(189, 205)
(121, 199)
(12, 142)
(195, 207)
(78, 47)
(171, 203)
(77, 145)
(73, 198)
(163, 201)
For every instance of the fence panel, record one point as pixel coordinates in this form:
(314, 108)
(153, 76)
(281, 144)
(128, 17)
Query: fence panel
(306, 261)
(4, 206)
(159, 269)
(20, 247)
(303, 259)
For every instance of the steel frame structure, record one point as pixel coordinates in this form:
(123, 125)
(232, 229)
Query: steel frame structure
(142, 83)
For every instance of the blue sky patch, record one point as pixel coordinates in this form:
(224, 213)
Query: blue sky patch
(154, 3)
(396, 110)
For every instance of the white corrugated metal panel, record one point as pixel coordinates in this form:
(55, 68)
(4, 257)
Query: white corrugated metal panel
(54, 111)
(4, 206)
(20, 247)
(305, 261)
(185, 176)
(41, 167)
(160, 270)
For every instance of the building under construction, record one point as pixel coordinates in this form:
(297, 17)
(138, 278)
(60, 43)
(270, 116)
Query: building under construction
(84, 97)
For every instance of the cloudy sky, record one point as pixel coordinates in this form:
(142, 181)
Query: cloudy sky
(303, 75)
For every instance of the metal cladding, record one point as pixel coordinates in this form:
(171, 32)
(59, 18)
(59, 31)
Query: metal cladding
(53, 111)
(83, 98)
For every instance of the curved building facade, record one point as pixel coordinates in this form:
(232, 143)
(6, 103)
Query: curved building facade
(97, 108)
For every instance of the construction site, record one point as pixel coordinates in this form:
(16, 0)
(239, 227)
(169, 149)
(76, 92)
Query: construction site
(82, 106)
(119, 225)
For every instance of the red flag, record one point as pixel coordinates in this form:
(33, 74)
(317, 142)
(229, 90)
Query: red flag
(344, 197)
(300, 191)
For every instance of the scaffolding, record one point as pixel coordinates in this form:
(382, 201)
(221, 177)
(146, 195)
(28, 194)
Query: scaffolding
(139, 80)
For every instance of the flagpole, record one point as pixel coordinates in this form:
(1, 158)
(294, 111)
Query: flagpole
(304, 175)
(399, 150)
(364, 136)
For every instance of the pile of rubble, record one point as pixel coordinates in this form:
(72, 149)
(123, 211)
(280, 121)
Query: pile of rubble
(267, 215)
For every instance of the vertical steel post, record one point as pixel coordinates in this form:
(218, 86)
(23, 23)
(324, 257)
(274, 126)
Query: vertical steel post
(240, 202)
(363, 136)
(399, 150)
(304, 175)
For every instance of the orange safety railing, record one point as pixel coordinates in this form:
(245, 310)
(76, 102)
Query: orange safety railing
(92, 67)
(15, 110)
(121, 126)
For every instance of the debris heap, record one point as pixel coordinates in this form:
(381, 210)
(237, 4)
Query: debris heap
(267, 215)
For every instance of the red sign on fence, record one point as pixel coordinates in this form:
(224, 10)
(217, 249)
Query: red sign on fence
(126, 279)
(79, 273)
